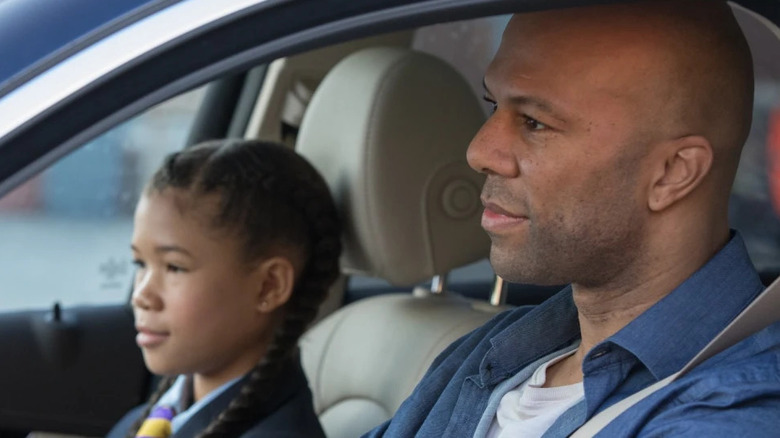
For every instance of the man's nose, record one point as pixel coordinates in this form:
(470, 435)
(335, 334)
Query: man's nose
(490, 151)
(145, 295)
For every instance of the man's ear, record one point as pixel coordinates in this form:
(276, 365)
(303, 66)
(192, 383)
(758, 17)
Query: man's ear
(275, 280)
(686, 161)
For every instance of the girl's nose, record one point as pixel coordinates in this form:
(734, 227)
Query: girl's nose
(144, 293)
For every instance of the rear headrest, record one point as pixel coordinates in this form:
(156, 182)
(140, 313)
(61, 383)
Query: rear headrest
(388, 128)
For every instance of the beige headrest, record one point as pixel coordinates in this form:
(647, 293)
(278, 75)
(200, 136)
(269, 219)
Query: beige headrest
(388, 128)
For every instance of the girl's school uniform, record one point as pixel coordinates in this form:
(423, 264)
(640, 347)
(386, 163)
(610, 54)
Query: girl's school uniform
(288, 412)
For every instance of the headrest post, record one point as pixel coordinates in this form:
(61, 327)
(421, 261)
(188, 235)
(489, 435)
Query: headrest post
(439, 284)
(498, 296)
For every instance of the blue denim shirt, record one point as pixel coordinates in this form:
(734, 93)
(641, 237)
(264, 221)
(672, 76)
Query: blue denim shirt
(735, 393)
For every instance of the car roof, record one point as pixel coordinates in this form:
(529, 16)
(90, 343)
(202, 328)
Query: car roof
(38, 33)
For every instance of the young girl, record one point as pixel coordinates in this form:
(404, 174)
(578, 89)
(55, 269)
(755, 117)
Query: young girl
(236, 244)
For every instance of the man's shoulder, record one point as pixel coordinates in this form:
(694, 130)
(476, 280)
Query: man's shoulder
(732, 380)
(754, 360)
(734, 393)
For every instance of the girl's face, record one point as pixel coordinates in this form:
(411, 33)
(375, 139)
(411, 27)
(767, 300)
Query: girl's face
(197, 304)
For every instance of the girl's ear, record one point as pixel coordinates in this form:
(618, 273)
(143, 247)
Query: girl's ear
(275, 278)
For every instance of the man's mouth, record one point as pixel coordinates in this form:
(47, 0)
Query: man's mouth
(496, 218)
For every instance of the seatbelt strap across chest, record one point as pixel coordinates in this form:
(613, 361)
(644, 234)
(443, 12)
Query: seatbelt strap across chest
(762, 312)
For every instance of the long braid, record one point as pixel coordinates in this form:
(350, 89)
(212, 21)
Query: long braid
(270, 195)
(165, 384)
(319, 273)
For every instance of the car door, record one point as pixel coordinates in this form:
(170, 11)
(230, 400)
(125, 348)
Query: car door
(75, 113)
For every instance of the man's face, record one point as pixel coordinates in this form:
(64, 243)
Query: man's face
(562, 153)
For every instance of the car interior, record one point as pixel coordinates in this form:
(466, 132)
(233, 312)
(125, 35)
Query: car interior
(386, 120)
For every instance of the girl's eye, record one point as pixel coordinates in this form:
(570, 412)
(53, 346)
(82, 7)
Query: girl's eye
(533, 124)
(174, 269)
(139, 264)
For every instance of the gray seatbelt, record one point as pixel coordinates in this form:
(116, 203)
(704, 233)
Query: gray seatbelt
(762, 312)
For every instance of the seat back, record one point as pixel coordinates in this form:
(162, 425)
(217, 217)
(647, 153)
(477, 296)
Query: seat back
(388, 128)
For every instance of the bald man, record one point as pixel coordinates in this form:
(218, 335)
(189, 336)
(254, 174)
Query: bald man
(610, 154)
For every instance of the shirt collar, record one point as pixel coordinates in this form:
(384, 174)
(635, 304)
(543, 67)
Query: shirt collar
(547, 328)
(190, 419)
(684, 321)
(288, 383)
(179, 395)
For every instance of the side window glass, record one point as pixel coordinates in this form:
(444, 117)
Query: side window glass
(468, 46)
(66, 232)
(755, 200)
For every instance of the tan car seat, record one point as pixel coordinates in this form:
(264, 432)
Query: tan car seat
(388, 128)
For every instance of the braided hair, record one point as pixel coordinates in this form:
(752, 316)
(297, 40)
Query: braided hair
(268, 196)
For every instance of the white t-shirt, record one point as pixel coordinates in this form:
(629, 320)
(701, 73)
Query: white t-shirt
(529, 410)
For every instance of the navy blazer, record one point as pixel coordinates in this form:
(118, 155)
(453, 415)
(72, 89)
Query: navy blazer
(289, 412)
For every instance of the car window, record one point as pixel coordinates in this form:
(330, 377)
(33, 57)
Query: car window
(467, 45)
(47, 224)
(50, 251)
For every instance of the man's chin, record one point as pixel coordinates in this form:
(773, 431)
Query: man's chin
(508, 268)
(515, 268)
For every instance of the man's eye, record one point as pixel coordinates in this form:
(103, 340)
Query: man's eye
(533, 124)
(492, 103)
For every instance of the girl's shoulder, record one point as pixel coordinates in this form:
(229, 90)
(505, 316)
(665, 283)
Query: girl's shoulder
(292, 413)
(121, 428)
(293, 418)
